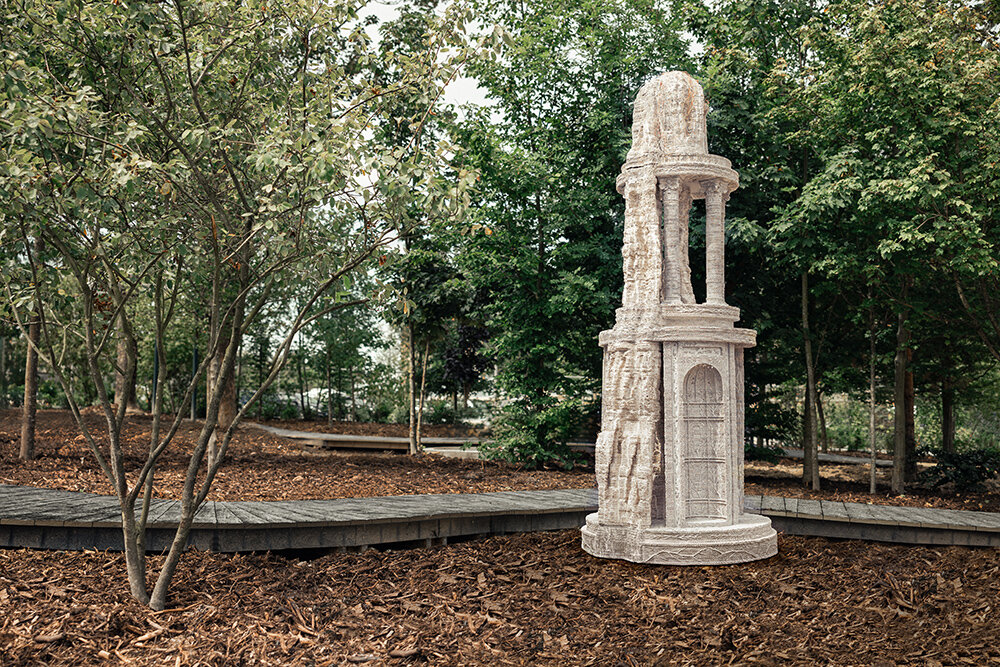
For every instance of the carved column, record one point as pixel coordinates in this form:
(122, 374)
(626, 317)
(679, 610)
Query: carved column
(684, 215)
(670, 196)
(715, 243)
(642, 252)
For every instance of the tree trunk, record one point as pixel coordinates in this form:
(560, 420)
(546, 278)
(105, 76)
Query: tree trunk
(423, 384)
(329, 390)
(871, 400)
(810, 463)
(911, 431)
(823, 435)
(899, 404)
(227, 400)
(194, 391)
(411, 373)
(135, 562)
(126, 356)
(3, 371)
(354, 405)
(30, 406)
(302, 385)
(261, 363)
(947, 415)
(807, 430)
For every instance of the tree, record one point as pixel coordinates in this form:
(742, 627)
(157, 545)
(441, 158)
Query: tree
(151, 142)
(899, 99)
(745, 42)
(549, 147)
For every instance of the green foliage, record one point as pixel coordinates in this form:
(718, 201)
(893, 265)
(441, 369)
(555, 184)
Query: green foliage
(546, 250)
(962, 470)
(535, 436)
(768, 416)
(769, 453)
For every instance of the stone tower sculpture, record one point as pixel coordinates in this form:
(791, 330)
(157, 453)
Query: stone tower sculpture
(670, 452)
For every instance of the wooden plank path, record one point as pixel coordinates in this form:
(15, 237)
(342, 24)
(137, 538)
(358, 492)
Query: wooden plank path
(445, 446)
(54, 519)
(840, 459)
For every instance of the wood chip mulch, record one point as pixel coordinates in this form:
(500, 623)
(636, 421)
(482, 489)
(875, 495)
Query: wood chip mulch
(259, 466)
(534, 599)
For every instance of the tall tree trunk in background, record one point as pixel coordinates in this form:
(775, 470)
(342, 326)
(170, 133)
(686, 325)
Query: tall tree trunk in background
(3, 372)
(947, 415)
(30, 405)
(329, 390)
(423, 384)
(354, 405)
(411, 373)
(810, 462)
(126, 355)
(824, 437)
(302, 384)
(899, 401)
(911, 430)
(871, 398)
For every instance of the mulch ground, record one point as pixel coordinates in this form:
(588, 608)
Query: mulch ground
(534, 599)
(259, 466)
(512, 600)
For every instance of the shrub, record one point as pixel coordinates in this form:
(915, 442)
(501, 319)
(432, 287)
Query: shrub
(535, 435)
(767, 453)
(965, 470)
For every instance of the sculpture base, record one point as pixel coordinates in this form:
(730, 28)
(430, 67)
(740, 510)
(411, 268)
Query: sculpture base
(711, 543)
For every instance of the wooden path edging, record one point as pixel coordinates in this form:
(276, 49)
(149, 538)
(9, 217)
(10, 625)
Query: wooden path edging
(455, 447)
(464, 447)
(55, 519)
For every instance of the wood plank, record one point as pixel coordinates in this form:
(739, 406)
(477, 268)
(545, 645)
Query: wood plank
(772, 504)
(833, 510)
(809, 508)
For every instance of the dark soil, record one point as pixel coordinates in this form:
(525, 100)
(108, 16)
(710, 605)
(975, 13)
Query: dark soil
(533, 599)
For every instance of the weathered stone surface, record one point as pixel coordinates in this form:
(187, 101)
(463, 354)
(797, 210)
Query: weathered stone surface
(670, 451)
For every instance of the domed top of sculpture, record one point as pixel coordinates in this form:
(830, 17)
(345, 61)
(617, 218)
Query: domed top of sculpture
(669, 118)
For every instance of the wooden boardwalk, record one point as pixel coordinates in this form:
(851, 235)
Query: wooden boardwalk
(54, 519)
(444, 446)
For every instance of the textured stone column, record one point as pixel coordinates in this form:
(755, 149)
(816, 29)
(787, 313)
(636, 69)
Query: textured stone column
(715, 243)
(684, 219)
(669, 454)
(670, 197)
(675, 199)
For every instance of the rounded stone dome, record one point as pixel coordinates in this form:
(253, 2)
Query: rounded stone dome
(669, 118)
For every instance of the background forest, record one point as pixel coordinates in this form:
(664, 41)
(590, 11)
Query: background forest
(291, 221)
